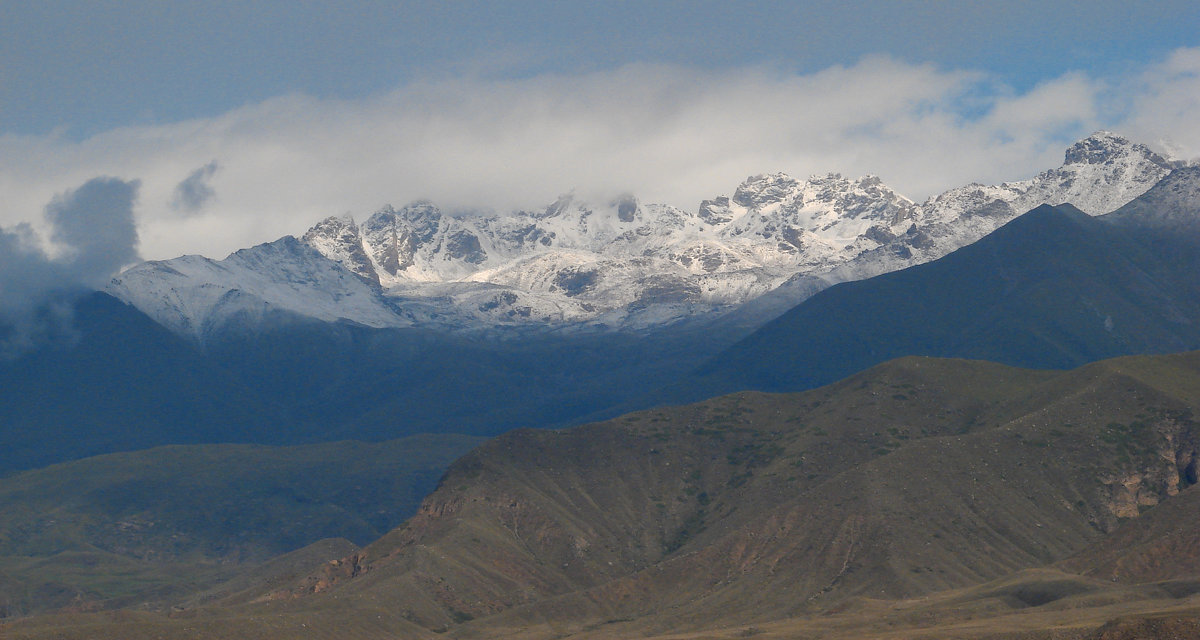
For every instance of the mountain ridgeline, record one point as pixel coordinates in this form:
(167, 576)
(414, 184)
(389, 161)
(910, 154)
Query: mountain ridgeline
(1054, 288)
(616, 264)
(757, 506)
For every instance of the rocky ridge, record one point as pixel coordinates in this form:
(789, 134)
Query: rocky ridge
(629, 265)
(195, 296)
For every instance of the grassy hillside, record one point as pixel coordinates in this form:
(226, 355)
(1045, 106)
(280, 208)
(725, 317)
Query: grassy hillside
(917, 476)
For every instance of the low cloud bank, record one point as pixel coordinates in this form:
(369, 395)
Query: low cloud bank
(92, 235)
(668, 134)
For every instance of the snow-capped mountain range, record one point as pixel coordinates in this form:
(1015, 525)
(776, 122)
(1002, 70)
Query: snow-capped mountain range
(620, 264)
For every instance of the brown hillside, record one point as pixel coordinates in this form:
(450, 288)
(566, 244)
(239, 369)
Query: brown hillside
(917, 476)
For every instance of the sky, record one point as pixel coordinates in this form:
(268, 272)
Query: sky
(227, 124)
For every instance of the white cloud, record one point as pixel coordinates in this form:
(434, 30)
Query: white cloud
(666, 133)
(1163, 103)
(1066, 104)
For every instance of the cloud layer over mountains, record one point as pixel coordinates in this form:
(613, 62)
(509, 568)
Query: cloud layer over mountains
(669, 134)
(93, 235)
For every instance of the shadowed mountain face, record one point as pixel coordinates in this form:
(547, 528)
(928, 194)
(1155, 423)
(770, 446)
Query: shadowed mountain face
(334, 381)
(117, 381)
(1055, 288)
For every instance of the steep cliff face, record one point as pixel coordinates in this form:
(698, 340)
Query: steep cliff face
(338, 239)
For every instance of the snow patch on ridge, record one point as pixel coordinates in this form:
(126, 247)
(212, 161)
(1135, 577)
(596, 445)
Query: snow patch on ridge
(196, 296)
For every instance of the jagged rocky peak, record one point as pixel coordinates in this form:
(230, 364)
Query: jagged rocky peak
(585, 256)
(334, 233)
(421, 218)
(716, 211)
(865, 197)
(392, 237)
(338, 238)
(558, 206)
(1102, 172)
(761, 190)
(1105, 147)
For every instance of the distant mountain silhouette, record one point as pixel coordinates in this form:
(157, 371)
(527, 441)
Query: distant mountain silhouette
(119, 381)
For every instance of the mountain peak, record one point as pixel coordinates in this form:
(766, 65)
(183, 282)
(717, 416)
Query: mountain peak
(764, 189)
(1104, 146)
(338, 238)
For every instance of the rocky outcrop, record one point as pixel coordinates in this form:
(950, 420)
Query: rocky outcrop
(1163, 455)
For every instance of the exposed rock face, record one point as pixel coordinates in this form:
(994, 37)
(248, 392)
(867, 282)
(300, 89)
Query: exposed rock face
(1164, 449)
(333, 572)
(627, 208)
(1129, 494)
(716, 211)
(338, 238)
(393, 238)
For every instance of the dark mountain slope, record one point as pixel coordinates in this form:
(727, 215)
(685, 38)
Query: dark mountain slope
(347, 381)
(1054, 288)
(118, 381)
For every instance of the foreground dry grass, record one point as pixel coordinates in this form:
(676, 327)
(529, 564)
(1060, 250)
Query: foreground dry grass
(1087, 610)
